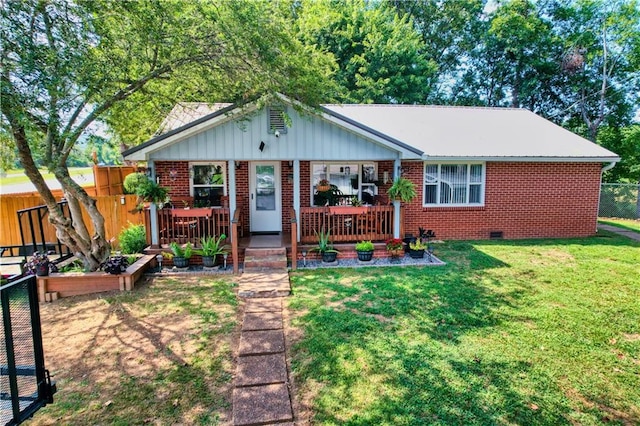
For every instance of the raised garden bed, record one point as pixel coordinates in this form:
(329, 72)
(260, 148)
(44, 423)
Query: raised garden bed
(76, 283)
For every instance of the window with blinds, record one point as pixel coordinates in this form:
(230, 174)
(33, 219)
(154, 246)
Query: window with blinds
(453, 184)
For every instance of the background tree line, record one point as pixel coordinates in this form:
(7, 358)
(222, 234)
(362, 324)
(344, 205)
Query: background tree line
(68, 65)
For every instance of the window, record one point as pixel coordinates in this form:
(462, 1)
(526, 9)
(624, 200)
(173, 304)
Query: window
(207, 184)
(351, 179)
(453, 184)
(277, 120)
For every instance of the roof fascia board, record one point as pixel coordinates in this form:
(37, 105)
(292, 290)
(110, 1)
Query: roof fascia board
(408, 151)
(525, 159)
(140, 152)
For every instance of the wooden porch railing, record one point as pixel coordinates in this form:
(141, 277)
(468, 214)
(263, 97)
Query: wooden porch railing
(346, 223)
(190, 225)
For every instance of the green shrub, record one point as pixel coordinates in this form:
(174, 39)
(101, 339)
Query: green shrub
(133, 239)
(364, 246)
(133, 181)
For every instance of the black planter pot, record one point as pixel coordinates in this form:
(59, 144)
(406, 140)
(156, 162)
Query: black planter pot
(365, 256)
(180, 262)
(209, 261)
(416, 254)
(42, 270)
(329, 256)
(407, 241)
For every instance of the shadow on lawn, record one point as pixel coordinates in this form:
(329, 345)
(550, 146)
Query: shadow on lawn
(385, 343)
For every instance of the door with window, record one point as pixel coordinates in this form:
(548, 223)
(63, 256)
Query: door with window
(265, 200)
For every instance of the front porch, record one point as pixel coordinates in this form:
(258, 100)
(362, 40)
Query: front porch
(347, 225)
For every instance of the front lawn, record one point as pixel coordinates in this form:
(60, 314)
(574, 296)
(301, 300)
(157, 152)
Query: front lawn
(528, 332)
(160, 355)
(630, 224)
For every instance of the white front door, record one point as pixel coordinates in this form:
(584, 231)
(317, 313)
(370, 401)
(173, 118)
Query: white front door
(265, 199)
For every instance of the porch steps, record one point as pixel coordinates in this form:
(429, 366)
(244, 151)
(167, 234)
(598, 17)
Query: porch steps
(265, 258)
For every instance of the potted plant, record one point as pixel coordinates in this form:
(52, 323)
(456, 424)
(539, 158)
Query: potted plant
(417, 248)
(181, 255)
(211, 248)
(115, 265)
(364, 250)
(402, 189)
(395, 247)
(152, 192)
(323, 185)
(40, 265)
(324, 247)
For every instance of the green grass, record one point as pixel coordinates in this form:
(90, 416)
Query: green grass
(530, 332)
(22, 178)
(630, 224)
(134, 368)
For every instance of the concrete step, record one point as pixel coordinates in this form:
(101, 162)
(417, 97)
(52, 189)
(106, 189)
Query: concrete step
(265, 262)
(270, 251)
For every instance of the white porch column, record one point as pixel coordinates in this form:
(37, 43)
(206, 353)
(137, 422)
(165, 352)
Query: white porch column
(231, 171)
(153, 210)
(296, 193)
(396, 203)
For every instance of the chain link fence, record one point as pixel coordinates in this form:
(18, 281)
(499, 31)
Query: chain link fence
(620, 200)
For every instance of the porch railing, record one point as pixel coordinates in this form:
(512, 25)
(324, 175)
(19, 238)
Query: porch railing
(190, 225)
(347, 223)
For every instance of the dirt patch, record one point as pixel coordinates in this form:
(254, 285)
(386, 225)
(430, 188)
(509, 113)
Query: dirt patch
(100, 348)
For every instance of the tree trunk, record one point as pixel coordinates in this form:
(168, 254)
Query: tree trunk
(72, 232)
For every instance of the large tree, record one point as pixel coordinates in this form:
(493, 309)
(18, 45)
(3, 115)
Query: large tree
(600, 62)
(67, 64)
(378, 52)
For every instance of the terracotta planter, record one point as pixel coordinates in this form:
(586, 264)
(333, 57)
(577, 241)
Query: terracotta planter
(323, 188)
(396, 252)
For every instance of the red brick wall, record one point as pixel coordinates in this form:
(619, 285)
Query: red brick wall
(305, 184)
(242, 195)
(286, 179)
(523, 200)
(178, 187)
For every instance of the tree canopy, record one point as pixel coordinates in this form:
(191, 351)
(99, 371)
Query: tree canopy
(68, 64)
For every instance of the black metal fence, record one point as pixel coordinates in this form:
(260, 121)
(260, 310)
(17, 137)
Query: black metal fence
(25, 385)
(620, 200)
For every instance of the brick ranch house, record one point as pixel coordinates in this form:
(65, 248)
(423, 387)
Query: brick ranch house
(479, 172)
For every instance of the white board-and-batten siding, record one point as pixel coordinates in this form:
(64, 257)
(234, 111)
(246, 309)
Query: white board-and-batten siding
(308, 138)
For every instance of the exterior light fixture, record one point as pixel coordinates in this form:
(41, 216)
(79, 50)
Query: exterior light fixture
(304, 258)
(261, 146)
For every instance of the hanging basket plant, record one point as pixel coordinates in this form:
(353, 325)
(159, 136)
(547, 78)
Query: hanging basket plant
(323, 186)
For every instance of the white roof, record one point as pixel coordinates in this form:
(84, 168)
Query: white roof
(187, 112)
(470, 132)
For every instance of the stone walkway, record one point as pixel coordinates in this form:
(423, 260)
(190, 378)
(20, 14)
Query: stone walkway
(261, 395)
(620, 231)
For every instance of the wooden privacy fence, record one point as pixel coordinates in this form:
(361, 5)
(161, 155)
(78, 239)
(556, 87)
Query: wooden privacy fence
(118, 211)
(108, 180)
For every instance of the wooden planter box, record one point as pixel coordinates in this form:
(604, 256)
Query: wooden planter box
(77, 283)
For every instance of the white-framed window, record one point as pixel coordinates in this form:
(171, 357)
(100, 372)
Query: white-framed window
(208, 183)
(351, 179)
(454, 184)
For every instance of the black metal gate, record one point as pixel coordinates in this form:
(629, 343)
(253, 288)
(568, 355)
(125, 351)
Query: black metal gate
(25, 385)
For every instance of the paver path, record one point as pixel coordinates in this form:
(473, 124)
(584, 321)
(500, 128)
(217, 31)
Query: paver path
(620, 231)
(261, 395)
